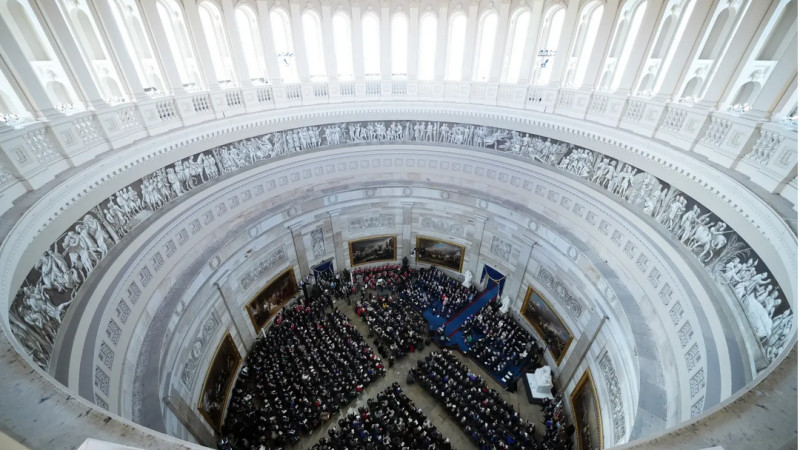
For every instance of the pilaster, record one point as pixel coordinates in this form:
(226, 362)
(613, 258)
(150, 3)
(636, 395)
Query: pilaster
(413, 38)
(578, 351)
(441, 41)
(406, 243)
(270, 55)
(234, 38)
(564, 42)
(473, 252)
(470, 42)
(241, 321)
(327, 41)
(514, 282)
(188, 416)
(338, 244)
(162, 50)
(295, 230)
(358, 42)
(500, 38)
(300, 53)
(532, 39)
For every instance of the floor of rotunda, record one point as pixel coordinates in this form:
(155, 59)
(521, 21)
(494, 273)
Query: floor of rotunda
(432, 409)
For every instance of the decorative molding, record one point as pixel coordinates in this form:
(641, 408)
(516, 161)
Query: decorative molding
(318, 243)
(615, 395)
(443, 226)
(557, 287)
(500, 248)
(365, 223)
(263, 267)
(197, 349)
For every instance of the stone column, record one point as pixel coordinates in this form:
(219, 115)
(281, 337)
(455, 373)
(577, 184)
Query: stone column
(638, 56)
(79, 67)
(189, 417)
(235, 40)
(532, 39)
(579, 348)
(115, 42)
(728, 62)
(562, 52)
(267, 42)
(473, 252)
(327, 41)
(470, 41)
(671, 75)
(779, 80)
(299, 248)
(168, 64)
(25, 75)
(441, 41)
(413, 39)
(407, 245)
(300, 54)
(386, 42)
(514, 282)
(338, 244)
(358, 42)
(239, 317)
(600, 47)
(500, 37)
(204, 59)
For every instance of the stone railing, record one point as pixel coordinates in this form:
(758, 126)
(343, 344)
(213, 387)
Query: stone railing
(33, 153)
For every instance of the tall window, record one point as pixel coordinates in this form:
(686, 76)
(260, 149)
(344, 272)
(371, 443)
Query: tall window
(629, 37)
(211, 21)
(282, 37)
(250, 40)
(518, 36)
(312, 34)
(178, 40)
(485, 51)
(84, 30)
(371, 30)
(427, 47)
(587, 36)
(455, 46)
(551, 36)
(399, 45)
(128, 20)
(343, 45)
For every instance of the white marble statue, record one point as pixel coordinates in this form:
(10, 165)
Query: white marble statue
(505, 304)
(467, 279)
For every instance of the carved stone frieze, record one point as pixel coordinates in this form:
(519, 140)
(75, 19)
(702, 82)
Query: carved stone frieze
(501, 248)
(263, 267)
(197, 348)
(444, 226)
(557, 287)
(615, 395)
(366, 223)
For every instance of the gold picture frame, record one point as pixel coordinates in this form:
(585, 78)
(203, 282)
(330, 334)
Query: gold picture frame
(373, 249)
(269, 300)
(429, 249)
(544, 316)
(584, 408)
(222, 372)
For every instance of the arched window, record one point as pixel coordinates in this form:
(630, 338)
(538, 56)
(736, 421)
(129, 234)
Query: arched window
(371, 31)
(312, 35)
(455, 46)
(250, 40)
(10, 103)
(517, 39)
(128, 20)
(284, 49)
(34, 48)
(485, 50)
(211, 21)
(582, 47)
(178, 40)
(427, 47)
(85, 32)
(630, 39)
(343, 45)
(780, 33)
(713, 44)
(551, 34)
(399, 45)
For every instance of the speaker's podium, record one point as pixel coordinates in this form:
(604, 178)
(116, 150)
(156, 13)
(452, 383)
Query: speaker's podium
(539, 385)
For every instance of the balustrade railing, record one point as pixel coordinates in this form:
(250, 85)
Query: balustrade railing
(690, 124)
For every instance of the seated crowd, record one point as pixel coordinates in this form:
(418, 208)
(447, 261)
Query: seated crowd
(391, 421)
(399, 330)
(497, 342)
(481, 412)
(309, 364)
(392, 277)
(435, 289)
(558, 434)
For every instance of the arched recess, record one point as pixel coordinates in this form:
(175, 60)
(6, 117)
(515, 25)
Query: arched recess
(174, 22)
(127, 19)
(343, 45)
(584, 42)
(371, 34)
(516, 44)
(746, 93)
(217, 41)
(399, 45)
(284, 47)
(456, 35)
(250, 39)
(428, 36)
(627, 30)
(487, 33)
(312, 35)
(716, 37)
